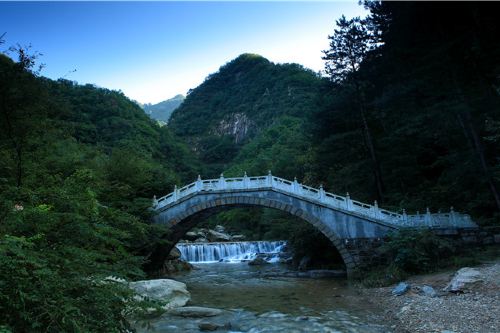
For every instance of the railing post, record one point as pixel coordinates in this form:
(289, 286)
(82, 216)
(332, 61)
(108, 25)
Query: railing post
(321, 193)
(269, 179)
(375, 210)
(155, 201)
(199, 184)
(348, 202)
(452, 216)
(405, 217)
(175, 196)
(245, 180)
(222, 182)
(428, 218)
(295, 186)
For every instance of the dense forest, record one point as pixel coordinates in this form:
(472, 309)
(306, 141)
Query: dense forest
(79, 168)
(406, 113)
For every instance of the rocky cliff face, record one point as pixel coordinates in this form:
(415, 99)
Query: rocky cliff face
(237, 125)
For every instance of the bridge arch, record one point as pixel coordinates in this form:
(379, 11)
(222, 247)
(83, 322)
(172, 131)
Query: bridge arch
(187, 219)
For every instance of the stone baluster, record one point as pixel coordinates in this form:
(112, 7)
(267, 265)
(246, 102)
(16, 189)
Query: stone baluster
(295, 185)
(321, 193)
(199, 184)
(176, 193)
(222, 182)
(245, 181)
(428, 217)
(348, 201)
(452, 216)
(405, 217)
(375, 210)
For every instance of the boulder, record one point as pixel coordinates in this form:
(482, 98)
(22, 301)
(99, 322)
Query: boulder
(214, 236)
(428, 291)
(304, 263)
(195, 312)
(206, 326)
(465, 278)
(170, 293)
(400, 289)
(220, 228)
(175, 266)
(201, 240)
(257, 261)
(237, 238)
(174, 254)
(191, 235)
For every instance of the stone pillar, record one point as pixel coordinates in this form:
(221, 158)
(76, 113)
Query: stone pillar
(222, 182)
(295, 186)
(245, 180)
(428, 217)
(269, 179)
(176, 194)
(375, 210)
(321, 193)
(348, 202)
(155, 201)
(199, 184)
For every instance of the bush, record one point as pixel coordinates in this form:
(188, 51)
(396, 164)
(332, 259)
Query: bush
(416, 251)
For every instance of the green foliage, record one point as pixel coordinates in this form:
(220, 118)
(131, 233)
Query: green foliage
(79, 168)
(415, 251)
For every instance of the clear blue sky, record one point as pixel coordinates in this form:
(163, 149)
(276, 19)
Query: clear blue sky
(155, 50)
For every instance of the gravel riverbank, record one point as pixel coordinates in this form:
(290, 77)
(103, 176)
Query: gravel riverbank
(475, 309)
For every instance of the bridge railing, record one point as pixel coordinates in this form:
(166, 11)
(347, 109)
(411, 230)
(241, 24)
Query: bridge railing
(345, 203)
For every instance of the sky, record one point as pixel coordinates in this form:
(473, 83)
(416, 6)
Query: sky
(153, 51)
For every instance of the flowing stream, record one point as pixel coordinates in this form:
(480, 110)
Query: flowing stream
(261, 299)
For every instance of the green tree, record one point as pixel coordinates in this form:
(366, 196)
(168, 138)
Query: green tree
(350, 45)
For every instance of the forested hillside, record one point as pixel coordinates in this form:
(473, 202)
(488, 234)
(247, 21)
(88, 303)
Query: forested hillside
(78, 169)
(236, 104)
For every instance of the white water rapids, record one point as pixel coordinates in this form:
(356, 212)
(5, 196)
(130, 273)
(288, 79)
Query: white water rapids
(230, 251)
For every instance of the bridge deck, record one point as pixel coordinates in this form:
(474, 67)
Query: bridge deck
(334, 201)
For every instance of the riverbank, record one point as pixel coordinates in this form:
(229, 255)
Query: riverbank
(475, 309)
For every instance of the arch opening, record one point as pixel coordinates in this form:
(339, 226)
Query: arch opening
(324, 241)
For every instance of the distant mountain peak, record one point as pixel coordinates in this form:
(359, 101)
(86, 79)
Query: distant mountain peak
(163, 110)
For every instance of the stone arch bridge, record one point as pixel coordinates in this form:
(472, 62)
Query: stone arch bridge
(352, 226)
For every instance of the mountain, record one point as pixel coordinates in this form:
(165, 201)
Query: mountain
(238, 103)
(163, 110)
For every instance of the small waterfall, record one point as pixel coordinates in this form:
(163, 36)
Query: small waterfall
(230, 251)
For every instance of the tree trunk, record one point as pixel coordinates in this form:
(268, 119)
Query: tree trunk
(471, 134)
(370, 145)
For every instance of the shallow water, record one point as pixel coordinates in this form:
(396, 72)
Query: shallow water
(256, 302)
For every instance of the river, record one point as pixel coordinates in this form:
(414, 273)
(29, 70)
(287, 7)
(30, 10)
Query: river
(259, 299)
